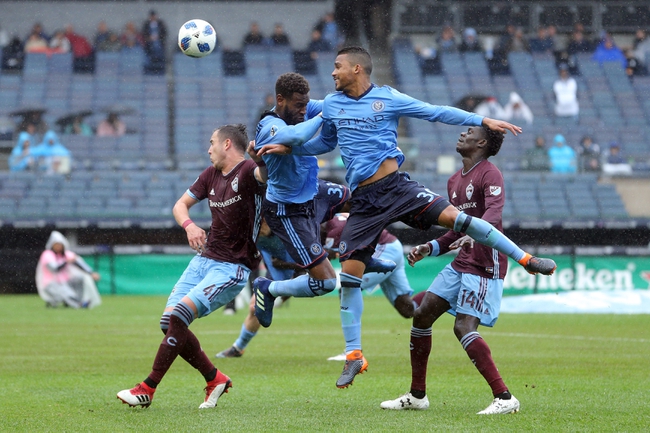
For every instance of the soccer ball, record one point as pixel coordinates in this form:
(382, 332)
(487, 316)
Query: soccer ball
(197, 38)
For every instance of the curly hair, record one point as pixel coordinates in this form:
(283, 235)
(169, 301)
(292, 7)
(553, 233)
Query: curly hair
(360, 56)
(290, 83)
(237, 133)
(494, 141)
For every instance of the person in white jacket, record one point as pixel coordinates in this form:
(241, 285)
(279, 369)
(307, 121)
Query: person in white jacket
(566, 94)
(64, 278)
(516, 109)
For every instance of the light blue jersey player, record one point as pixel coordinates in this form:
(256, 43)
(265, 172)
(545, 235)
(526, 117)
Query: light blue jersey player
(364, 119)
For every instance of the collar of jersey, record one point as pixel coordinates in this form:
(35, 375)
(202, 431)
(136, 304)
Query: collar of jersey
(372, 86)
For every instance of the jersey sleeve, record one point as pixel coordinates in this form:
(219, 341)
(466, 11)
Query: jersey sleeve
(322, 143)
(406, 105)
(276, 131)
(494, 194)
(198, 190)
(314, 108)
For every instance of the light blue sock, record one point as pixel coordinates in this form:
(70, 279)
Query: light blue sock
(484, 233)
(351, 311)
(245, 337)
(302, 287)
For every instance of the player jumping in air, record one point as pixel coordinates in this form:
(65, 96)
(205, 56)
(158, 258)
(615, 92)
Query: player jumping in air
(471, 286)
(220, 271)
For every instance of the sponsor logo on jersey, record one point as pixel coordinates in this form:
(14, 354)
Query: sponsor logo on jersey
(212, 191)
(495, 190)
(453, 195)
(378, 106)
(469, 191)
(226, 203)
(235, 184)
(274, 130)
(316, 249)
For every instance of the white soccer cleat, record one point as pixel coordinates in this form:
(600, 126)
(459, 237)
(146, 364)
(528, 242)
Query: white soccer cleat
(500, 406)
(406, 402)
(140, 395)
(215, 389)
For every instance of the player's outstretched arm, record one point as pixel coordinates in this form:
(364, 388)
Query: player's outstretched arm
(501, 126)
(418, 253)
(195, 235)
(261, 173)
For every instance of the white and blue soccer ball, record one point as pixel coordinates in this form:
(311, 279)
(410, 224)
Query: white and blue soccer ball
(197, 38)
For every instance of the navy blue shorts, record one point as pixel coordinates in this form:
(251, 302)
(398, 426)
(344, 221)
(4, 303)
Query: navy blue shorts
(394, 198)
(298, 224)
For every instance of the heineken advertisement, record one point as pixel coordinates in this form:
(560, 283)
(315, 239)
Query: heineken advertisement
(156, 274)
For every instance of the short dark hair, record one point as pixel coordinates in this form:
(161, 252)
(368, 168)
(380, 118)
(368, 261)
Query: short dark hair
(361, 56)
(290, 83)
(494, 141)
(235, 132)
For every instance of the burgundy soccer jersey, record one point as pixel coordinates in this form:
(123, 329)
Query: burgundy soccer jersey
(334, 228)
(235, 200)
(478, 193)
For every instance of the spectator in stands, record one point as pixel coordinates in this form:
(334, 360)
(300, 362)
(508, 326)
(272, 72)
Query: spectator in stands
(37, 29)
(615, 163)
(490, 107)
(446, 40)
(542, 42)
(329, 31)
(269, 103)
(13, 55)
(562, 157)
(106, 40)
(78, 126)
(517, 110)
(254, 35)
(536, 158)
(641, 48)
(112, 126)
(4, 37)
(101, 35)
(82, 51)
(512, 40)
(578, 43)
(53, 156)
(279, 38)
(589, 155)
(36, 44)
(317, 44)
(21, 157)
(470, 42)
(607, 51)
(565, 89)
(64, 278)
(373, 16)
(635, 67)
(130, 37)
(154, 33)
(59, 42)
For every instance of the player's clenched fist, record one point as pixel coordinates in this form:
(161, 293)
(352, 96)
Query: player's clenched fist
(418, 253)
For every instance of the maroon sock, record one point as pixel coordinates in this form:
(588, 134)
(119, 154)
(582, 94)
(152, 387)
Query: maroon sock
(196, 357)
(172, 344)
(479, 353)
(418, 298)
(420, 350)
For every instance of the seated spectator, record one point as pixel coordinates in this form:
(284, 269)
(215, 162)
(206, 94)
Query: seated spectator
(578, 44)
(607, 51)
(36, 44)
(470, 42)
(82, 51)
(53, 157)
(517, 110)
(112, 126)
(279, 38)
(512, 41)
(329, 31)
(565, 89)
(37, 30)
(641, 48)
(106, 40)
(254, 35)
(589, 153)
(21, 157)
(269, 103)
(446, 41)
(59, 43)
(13, 55)
(64, 278)
(317, 43)
(541, 43)
(78, 126)
(131, 37)
(536, 158)
(562, 157)
(101, 35)
(4, 37)
(490, 107)
(615, 164)
(154, 33)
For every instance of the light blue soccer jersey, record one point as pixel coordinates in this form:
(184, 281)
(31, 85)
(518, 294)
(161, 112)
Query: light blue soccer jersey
(291, 178)
(366, 127)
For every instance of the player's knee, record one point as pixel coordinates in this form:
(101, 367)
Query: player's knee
(183, 312)
(322, 287)
(404, 306)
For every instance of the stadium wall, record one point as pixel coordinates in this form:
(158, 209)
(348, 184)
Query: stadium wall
(231, 19)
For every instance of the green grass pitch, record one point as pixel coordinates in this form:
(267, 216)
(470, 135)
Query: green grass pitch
(60, 370)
